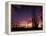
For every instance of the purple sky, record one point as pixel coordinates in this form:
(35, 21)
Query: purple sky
(24, 13)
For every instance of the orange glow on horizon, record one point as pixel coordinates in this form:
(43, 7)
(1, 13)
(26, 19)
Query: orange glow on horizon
(25, 24)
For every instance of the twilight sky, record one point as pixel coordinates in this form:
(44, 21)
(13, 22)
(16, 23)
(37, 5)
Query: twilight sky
(22, 13)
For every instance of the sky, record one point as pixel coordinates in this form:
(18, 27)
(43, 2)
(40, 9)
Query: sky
(21, 13)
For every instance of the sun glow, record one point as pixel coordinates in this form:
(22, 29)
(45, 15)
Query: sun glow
(25, 25)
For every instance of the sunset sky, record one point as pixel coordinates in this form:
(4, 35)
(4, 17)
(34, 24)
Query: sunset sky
(23, 13)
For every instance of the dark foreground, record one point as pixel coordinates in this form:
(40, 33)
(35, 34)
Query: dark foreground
(25, 29)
